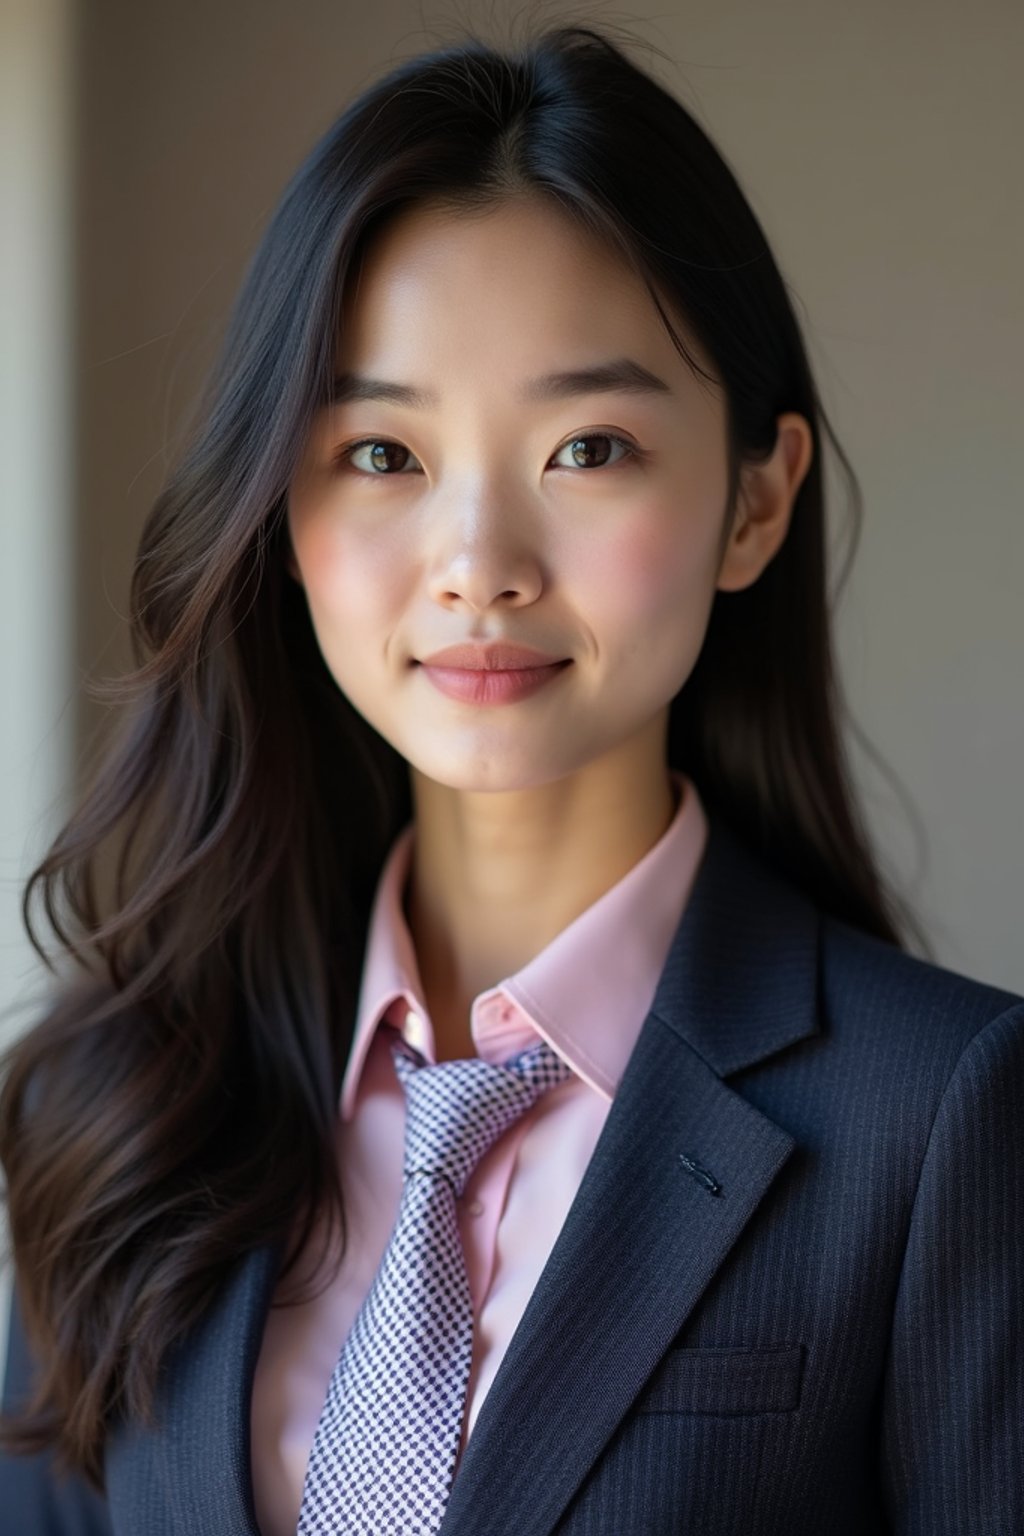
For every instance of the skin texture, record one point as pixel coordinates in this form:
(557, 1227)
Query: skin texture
(483, 521)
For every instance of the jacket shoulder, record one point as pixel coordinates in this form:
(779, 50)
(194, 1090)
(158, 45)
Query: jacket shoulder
(903, 997)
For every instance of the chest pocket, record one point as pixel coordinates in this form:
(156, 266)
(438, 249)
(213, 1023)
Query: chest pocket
(711, 1380)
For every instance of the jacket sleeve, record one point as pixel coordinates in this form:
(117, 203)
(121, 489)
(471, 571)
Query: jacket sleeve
(952, 1413)
(34, 1501)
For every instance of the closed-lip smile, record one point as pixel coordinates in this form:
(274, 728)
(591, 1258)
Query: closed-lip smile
(492, 656)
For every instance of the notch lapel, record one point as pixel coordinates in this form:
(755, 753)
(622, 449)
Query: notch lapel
(645, 1235)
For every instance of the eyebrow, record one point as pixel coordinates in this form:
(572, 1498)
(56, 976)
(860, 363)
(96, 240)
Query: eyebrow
(621, 375)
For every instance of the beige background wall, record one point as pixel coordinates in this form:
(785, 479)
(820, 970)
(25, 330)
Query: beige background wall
(36, 433)
(37, 604)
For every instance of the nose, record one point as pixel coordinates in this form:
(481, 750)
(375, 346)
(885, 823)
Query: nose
(486, 552)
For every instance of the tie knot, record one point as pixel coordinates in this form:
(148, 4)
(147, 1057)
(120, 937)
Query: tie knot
(456, 1110)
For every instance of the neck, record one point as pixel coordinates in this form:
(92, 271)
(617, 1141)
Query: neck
(496, 876)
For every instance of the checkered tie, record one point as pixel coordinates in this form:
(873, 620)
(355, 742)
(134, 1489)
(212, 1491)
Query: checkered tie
(383, 1458)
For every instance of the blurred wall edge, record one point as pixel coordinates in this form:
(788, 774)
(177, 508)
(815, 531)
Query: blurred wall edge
(36, 544)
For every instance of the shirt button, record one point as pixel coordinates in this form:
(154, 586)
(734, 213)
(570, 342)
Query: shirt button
(475, 1208)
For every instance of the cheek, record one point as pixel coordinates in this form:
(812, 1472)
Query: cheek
(655, 569)
(649, 590)
(348, 582)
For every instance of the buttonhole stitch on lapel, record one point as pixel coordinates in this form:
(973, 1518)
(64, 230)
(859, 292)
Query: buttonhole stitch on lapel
(702, 1176)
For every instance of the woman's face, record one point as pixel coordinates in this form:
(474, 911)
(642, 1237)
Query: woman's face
(581, 520)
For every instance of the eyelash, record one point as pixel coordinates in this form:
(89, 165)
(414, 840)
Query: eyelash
(632, 452)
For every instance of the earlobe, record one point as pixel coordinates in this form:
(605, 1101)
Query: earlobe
(765, 503)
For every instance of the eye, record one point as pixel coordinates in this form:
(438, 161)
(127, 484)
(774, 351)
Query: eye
(378, 460)
(381, 453)
(583, 455)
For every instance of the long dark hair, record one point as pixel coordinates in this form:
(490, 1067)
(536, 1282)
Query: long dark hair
(174, 1107)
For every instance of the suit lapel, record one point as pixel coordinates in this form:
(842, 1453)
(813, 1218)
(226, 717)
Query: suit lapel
(646, 1233)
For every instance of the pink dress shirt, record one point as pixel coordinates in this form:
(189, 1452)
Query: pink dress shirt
(587, 994)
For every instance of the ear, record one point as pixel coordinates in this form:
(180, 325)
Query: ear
(765, 504)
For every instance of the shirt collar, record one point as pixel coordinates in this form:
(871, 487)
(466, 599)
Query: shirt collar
(586, 993)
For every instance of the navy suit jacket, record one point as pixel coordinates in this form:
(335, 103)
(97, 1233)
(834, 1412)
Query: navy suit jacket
(787, 1300)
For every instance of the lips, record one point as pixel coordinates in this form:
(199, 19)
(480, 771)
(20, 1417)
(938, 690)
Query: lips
(495, 656)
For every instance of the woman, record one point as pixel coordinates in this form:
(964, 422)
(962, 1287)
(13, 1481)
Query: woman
(514, 372)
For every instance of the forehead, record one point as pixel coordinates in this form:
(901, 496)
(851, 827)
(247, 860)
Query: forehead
(431, 234)
(513, 286)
